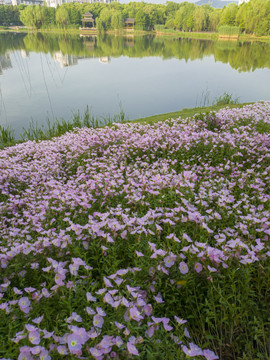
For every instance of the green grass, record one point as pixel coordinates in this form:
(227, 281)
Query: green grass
(184, 113)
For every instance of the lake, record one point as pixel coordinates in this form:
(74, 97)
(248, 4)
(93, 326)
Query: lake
(54, 76)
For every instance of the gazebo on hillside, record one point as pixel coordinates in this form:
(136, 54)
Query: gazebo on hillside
(88, 18)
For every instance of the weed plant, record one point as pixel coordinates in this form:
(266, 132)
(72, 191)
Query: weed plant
(138, 241)
(6, 135)
(59, 127)
(225, 99)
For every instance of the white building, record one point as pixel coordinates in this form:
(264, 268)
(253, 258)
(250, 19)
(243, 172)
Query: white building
(54, 3)
(65, 60)
(242, 1)
(27, 2)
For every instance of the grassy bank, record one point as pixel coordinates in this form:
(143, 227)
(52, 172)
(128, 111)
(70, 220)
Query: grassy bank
(59, 127)
(186, 112)
(139, 241)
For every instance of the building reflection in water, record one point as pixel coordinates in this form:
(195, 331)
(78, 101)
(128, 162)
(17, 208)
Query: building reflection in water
(65, 60)
(5, 62)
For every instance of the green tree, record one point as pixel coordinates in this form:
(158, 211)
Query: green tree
(184, 17)
(228, 16)
(105, 19)
(142, 20)
(200, 18)
(74, 15)
(117, 21)
(61, 16)
(169, 24)
(49, 16)
(33, 16)
(213, 20)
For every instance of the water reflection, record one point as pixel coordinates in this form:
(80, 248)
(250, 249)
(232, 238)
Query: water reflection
(68, 50)
(53, 76)
(5, 63)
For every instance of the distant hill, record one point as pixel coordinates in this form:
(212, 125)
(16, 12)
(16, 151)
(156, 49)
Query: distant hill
(218, 4)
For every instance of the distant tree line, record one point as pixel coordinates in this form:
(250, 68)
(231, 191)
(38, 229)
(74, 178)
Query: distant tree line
(251, 18)
(10, 15)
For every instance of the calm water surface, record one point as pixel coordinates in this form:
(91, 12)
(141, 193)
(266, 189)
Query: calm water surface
(45, 76)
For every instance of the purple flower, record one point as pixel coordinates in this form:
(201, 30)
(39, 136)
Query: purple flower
(25, 356)
(90, 311)
(118, 325)
(90, 297)
(62, 350)
(198, 267)
(193, 351)
(107, 282)
(100, 311)
(118, 341)
(147, 309)
(186, 332)
(95, 352)
(74, 317)
(211, 269)
(24, 304)
(210, 355)
(44, 355)
(132, 349)
(135, 314)
(73, 268)
(25, 353)
(179, 321)
(34, 337)
(38, 320)
(98, 321)
(169, 261)
(158, 298)
(150, 331)
(183, 267)
(74, 343)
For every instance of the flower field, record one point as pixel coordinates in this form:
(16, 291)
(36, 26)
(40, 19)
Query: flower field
(139, 241)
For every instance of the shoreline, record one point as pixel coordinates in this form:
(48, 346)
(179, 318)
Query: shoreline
(168, 32)
(60, 127)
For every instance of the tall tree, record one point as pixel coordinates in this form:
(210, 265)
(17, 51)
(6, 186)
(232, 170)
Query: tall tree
(61, 16)
(33, 16)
